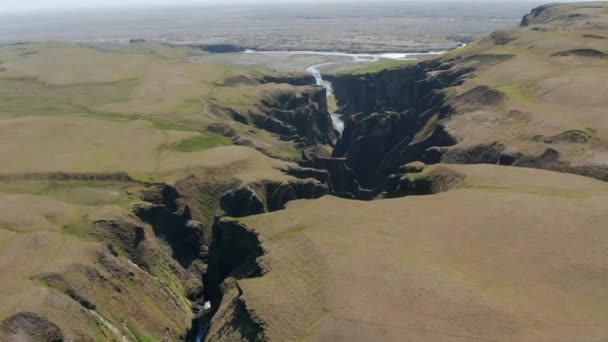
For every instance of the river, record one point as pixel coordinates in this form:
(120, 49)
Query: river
(315, 70)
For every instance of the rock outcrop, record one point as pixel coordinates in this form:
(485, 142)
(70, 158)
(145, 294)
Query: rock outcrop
(396, 90)
(234, 254)
(30, 326)
(557, 13)
(302, 116)
(172, 221)
(393, 117)
(267, 196)
(412, 179)
(292, 79)
(291, 109)
(219, 48)
(452, 109)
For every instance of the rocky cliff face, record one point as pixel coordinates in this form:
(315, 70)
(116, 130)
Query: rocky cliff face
(393, 117)
(449, 110)
(393, 90)
(302, 116)
(268, 196)
(172, 222)
(139, 275)
(234, 255)
(560, 14)
(296, 113)
(219, 48)
(336, 174)
(493, 102)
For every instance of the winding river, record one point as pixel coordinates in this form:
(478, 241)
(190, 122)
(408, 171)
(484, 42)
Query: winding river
(315, 70)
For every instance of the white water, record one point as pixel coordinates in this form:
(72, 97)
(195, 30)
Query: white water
(202, 327)
(315, 71)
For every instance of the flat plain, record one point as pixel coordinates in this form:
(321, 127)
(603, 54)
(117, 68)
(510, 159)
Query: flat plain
(395, 26)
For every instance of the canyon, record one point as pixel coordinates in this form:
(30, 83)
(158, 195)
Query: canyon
(464, 193)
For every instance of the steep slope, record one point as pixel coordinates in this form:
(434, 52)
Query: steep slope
(494, 252)
(116, 163)
(77, 264)
(121, 165)
(531, 96)
(511, 254)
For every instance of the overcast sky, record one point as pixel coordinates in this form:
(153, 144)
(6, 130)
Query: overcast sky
(28, 5)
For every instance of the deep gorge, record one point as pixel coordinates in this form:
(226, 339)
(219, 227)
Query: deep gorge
(380, 125)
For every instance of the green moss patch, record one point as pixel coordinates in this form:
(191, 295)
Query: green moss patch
(203, 142)
(139, 335)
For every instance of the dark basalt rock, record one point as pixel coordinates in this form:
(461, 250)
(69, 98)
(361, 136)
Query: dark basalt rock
(502, 37)
(161, 195)
(59, 282)
(322, 176)
(273, 125)
(395, 90)
(386, 141)
(342, 178)
(125, 235)
(478, 154)
(242, 202)
(171, 219)
(223, 129)
(589, 53)
(534, 14)
(303, 116)
(295, 80)
(29, 326)
(593, 36)
(297, 113)
(397, 116)
(385, 91)
(278, 194)
(550, 160)
(570, 137)
(234, 254)
(299, 80)
(550, 155)
(479, 96)
(419, 183)
(394, 117)
(219, 48)
(552, 13)
(267, 196)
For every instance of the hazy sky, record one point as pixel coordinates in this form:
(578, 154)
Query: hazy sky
(27, 5)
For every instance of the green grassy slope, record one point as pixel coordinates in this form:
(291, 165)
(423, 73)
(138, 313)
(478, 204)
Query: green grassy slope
(77, 125)
(513, 254)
